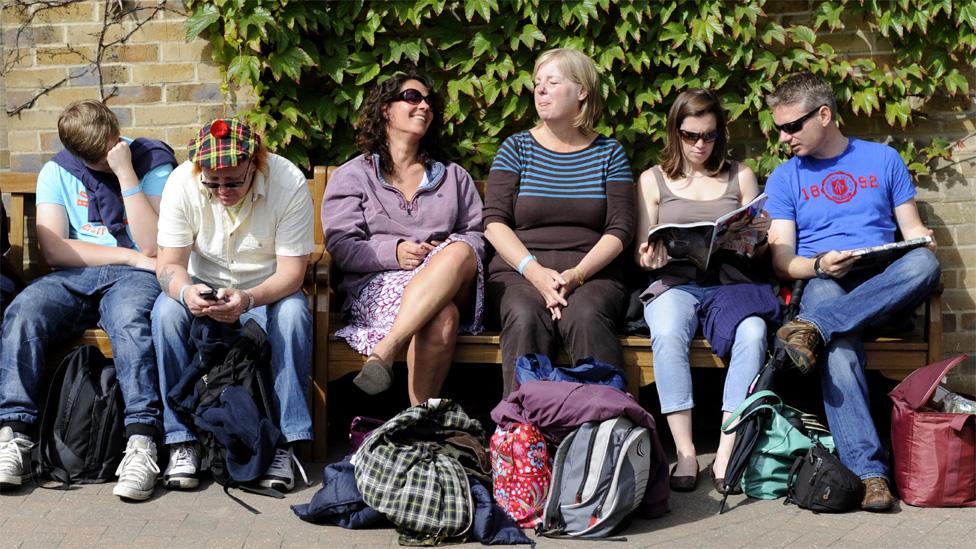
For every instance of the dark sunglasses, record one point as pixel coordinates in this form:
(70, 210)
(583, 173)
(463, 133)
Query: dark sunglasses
(227, 184)
(796, 125)
(692, 137)
(413, 97)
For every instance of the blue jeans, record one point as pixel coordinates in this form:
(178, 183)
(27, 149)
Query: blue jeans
(841, 309)
(58, 307)
(673, 320)
(289, 326)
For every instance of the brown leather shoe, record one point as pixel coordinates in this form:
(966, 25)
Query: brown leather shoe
(719, 482)
(801, 341)
(877, 496)
(685, 483)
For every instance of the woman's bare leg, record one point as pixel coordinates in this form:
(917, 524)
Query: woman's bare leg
(429, 355)
(680, 425)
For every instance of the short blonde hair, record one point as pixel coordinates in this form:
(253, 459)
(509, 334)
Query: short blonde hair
(85, 128)
(579, 68)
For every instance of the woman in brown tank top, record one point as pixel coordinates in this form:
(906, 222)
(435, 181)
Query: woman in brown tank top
(694, 182)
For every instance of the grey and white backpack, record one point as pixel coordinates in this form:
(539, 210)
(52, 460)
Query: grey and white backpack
(598, 478)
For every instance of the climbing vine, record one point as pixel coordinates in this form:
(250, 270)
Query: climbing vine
(311, 63)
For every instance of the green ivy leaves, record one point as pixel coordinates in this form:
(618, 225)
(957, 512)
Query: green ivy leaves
(312, 63)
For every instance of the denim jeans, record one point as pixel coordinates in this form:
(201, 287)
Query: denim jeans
(673, 320)
(288, 323)
(841, 309)
(58, 307)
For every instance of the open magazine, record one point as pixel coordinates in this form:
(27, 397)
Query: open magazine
(696, 242)
(880, 256)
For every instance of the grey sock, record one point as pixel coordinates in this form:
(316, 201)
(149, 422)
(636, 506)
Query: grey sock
(374, 377)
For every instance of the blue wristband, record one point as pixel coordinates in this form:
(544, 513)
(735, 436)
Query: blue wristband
(134, 190)
(182, 290)
(525, 261)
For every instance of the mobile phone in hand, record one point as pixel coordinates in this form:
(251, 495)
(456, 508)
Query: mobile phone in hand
(439, 236)
(209, 294)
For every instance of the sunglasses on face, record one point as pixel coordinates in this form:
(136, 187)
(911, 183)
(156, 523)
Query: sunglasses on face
(796, 125)
(413, 97)
(693, 137)
(213, 186)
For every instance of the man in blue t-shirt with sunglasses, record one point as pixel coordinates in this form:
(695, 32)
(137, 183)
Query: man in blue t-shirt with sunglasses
(834, 195)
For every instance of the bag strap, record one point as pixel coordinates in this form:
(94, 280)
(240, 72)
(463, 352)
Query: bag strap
(738, 415)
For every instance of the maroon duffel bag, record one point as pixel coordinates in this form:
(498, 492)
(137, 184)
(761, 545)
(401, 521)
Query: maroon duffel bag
(935, 452)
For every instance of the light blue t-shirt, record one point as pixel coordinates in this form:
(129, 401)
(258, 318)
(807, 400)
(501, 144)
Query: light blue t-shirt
(56, 186)
(843, 202)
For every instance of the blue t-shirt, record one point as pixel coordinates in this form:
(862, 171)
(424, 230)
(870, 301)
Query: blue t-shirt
(56, 186)
(843, 202)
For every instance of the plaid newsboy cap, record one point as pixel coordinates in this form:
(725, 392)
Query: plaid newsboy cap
(223, 143)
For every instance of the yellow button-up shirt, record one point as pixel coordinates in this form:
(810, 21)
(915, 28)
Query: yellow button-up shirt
(275, 219)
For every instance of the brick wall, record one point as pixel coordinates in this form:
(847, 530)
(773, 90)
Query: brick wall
(167, 88)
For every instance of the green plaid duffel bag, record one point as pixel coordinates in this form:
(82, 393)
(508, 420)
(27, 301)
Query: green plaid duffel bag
(407, 471)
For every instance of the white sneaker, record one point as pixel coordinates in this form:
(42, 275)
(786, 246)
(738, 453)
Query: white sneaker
(184, 463)
(138, 470)
(280, 475)
(15, 450)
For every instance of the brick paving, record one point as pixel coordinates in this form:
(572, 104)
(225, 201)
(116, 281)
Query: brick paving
(90, 516)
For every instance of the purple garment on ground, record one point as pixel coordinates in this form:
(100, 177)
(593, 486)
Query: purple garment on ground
(558, 407)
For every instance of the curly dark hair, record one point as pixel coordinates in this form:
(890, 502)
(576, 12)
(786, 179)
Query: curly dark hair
(371, 135)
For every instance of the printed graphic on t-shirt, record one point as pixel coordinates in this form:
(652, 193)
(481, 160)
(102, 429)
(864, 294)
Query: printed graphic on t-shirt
(840, 187)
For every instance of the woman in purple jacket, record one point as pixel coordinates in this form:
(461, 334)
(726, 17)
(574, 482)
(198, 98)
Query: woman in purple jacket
(403, 224)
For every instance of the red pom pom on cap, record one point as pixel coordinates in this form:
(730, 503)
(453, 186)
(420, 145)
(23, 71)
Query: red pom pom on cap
(219, 129)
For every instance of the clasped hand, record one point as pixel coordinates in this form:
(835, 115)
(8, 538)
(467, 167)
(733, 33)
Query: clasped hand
(553, 286)
(411, 254)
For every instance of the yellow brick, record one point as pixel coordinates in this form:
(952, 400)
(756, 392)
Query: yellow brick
(129, 95)
(50, 141)
(77, 11)
(207, 113)
(34, 119)
(4, 160)
(152, 133)
(959, 342)
(24, 142)
(181, 135)
(58, 98)
(160, 31)
(89, 33)
(164, 115)
(162, 72)
(132, 53)
(207, 71)
(182, 51)
(77, 55)
(33, 78)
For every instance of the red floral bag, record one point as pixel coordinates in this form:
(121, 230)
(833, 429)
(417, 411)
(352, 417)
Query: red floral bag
(935, 452)
(520, 471)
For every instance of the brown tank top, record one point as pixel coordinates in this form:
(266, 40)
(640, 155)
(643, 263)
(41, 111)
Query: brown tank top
(675, 209)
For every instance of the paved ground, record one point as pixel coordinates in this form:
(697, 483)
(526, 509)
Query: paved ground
(91, 517)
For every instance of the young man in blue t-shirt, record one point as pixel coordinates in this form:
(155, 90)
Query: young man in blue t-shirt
(836, 194)
(97, 204)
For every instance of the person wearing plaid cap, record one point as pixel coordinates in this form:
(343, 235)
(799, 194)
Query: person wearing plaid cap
(238, 220)
(97, 203)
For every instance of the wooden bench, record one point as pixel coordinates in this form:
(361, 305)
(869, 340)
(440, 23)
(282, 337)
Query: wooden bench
(25, 254)
(894, 357)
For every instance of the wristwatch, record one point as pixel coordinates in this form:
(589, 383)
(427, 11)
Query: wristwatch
(817, 270)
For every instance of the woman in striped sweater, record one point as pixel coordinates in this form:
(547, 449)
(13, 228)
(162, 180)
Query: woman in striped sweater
(559, 209)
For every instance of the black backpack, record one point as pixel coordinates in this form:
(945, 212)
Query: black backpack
(81, 436)
(819, 482)
(243, 361)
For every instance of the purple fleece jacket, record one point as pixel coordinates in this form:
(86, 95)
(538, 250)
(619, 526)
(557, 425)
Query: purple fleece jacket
(364, 218)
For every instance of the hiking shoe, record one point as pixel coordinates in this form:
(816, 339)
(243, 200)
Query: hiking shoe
(801, 341)
(181, 473)
(138, 470)
(15, 450)
(877, 496)
(279, 475)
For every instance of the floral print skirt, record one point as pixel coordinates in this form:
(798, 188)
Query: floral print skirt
(372, 313)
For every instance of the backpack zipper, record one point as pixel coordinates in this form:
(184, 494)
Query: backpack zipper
(586, 465)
